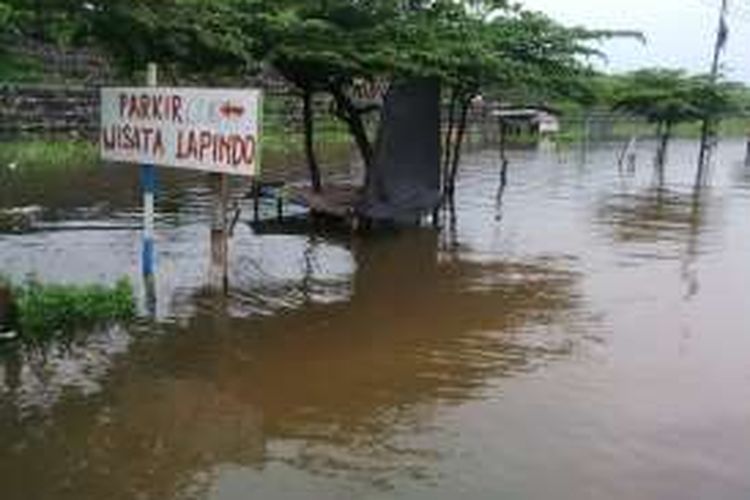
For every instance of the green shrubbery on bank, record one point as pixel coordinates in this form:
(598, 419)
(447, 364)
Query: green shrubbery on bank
(39, 312)
(47, 153)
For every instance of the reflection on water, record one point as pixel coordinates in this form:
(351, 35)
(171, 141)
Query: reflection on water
(657, 215)
(588, 344)
(660, 224)
(343, 384)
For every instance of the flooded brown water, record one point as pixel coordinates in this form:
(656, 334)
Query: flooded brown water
(586, 338)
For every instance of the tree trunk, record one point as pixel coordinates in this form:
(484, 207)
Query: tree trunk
(449, 139)
(706, 137)
(666, 135)
(708, 142)
(353, 118)
(503, 156)
(659, 143)
(309, 124)
(456, 160)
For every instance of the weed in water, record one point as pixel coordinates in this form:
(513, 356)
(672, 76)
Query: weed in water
(49, 311)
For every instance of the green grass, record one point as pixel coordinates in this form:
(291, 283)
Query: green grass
(279, 137)
(729, 128)
(40, 153)
(279, 142)
(47, 312)
(60, 153)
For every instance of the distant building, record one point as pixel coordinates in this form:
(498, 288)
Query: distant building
(529, 120)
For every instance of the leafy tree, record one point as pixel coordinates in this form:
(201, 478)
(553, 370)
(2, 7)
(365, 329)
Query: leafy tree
(200, 38)
(511, 52)
(666, 97)
(6, 13)
(52, 21)
(318, 46)
(324, 46)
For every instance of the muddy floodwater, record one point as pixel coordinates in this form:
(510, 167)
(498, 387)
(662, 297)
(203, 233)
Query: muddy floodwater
(584, 336)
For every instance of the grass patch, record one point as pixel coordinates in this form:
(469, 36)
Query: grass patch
(732, 127)
(48, 153)
(285, 142)
(39, 154)
(47, 312)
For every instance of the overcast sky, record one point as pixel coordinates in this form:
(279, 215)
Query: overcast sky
(680, 32)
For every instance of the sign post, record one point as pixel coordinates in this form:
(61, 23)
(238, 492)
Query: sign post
(219, 277)
(148, 186)
(212, 130)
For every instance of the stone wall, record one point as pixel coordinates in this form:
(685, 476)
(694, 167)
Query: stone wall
(59, 64)
(48, 111)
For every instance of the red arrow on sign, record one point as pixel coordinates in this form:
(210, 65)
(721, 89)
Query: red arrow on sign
(229, 110)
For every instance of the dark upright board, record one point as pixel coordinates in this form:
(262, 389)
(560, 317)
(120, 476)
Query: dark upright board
(405, 180)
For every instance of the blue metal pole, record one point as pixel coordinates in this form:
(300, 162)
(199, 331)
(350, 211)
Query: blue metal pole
(148, 185)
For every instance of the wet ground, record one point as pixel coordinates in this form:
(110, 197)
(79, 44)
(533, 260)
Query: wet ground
(583, 337)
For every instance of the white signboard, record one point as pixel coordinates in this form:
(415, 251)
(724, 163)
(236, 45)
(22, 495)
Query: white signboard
(215, 130)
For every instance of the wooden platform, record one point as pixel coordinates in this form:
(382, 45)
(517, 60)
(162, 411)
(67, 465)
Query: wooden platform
(336, 200)
(19, 220)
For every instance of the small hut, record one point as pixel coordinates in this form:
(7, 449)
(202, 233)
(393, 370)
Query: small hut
(534, 121)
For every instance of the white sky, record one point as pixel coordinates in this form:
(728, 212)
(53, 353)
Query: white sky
(680, 33)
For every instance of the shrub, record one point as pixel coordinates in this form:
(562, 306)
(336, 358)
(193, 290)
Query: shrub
(49, 311)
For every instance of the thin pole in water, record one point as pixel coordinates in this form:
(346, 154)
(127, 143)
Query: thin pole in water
(503, 169)
(708, 128)
(148, 187)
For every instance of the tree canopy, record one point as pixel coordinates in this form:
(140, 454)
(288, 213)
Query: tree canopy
(313, 42)
(54, 21)
(667, 97)
(671, 96)
(471, 47)
(6, 13)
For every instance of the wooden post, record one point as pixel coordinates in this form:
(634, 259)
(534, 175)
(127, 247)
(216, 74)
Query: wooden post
(256, 201)
(280, 204)
(7, 309)
(219, 273)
